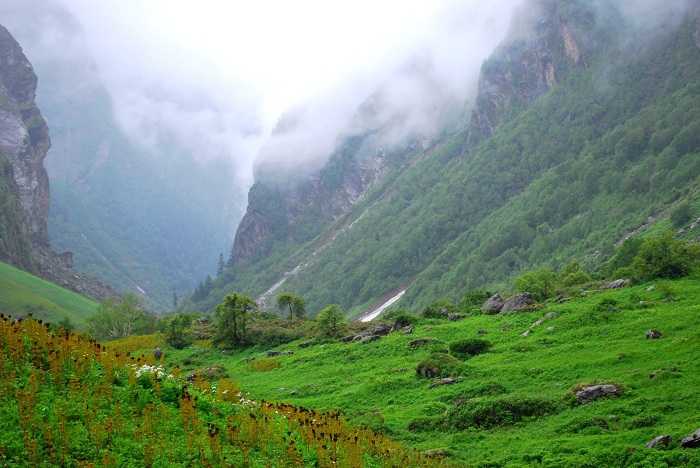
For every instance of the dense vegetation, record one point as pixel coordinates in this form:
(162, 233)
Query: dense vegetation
(15, 245)
(611, 145)
(66, 400)
(23, 294)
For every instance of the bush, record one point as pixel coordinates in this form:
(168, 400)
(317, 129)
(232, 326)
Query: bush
(473, 300)
(177, 333)
(573, 275)
(540, 283)
(608, 305)
(439, 309)
(271, 333)
(264, 365)
(665, 257)
(400, 317)
(331, 321)
(467, 348)
(489, 414)
(439, 365)
(681, 215)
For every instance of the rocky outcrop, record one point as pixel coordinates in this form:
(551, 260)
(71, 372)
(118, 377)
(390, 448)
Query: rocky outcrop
(519, 302)
(24, 142)
(661, 441)
(493, 305)
(543, 46)
(594, 392)
(692, 440)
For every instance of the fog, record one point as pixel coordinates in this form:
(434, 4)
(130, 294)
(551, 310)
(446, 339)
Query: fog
(215, 78)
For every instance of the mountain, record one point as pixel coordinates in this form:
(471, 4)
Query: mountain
(147, 219)
(583, 131)
(24, 184)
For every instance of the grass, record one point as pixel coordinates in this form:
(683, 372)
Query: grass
(22, 293)
(513, 404)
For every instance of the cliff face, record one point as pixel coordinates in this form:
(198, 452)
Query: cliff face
(549, 40)
(24, 184)
(24, 137)
(296, 210)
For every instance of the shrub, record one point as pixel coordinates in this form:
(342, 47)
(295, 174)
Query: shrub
(573, 274)
(608, 305)
(331, 321)
(264, 365)
(271, 333)
(439, 365)
(177, 333)
(400, 317)
(665, 257)
(469, 347)
(489, 414)
(681, 215)
(540, 283)
(439, 309)
(473, 299)
(232, 317)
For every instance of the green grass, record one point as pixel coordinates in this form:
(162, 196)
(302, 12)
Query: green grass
(376, 383)
(22, 293)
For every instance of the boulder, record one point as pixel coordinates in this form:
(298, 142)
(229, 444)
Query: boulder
(692, 441)
(348, 339)
(407, 330)
(617, 284)
(519, 302)
(455, 317)
(157, 354)
(493, 305)
(653, 334)
(381, 330)
(445, 381)
(590, 393)
(273, 353)
(306, 344)
(659, 441)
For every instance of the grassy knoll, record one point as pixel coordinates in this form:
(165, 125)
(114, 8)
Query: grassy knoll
(513, 405)
(22, 293)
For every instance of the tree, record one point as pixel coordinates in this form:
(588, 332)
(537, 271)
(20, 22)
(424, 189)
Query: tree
(295, 304)
(540, 283)
(331, 320)
(665, 257)
(221, 265)
(681, 215)
(177, 333)
(117, 318)
(231, 320)
(573, 274)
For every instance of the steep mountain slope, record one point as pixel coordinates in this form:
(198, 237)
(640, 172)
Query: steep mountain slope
(584, 126)
(24, 185)
(147, 219)
(24, 294)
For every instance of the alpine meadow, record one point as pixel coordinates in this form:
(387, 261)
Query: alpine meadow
(350, 234)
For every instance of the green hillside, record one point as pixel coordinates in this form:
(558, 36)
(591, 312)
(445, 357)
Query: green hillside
(512, 405)
(22, 293)
(613, 143)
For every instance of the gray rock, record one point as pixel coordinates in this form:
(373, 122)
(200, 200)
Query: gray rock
(445, 381)
(381, 330)
(594, 392)
(306, 344)
(455, 317)
(518, 303)
(157, 353)
(691, 441)
(653, 334)
(348, 339)
(273, 353)
(407, 330)
(659, 441)
(493, 305)
(617, 284)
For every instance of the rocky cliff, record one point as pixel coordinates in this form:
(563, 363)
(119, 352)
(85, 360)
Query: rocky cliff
(24, 143)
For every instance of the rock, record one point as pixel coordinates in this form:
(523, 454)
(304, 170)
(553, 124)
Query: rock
(408, 330)
(691, 441)
(273, 353)
(651, 288)
(348, 339)
(617, 284)
(437, 453)
(445, 381)
(547, 316)
(420, 342)
(659, 441)
(493, 305)
(519, 302)
(306, 344)
(594, 392)
(653, 334)
(455, 317)
(380, 330)
(157, 354)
